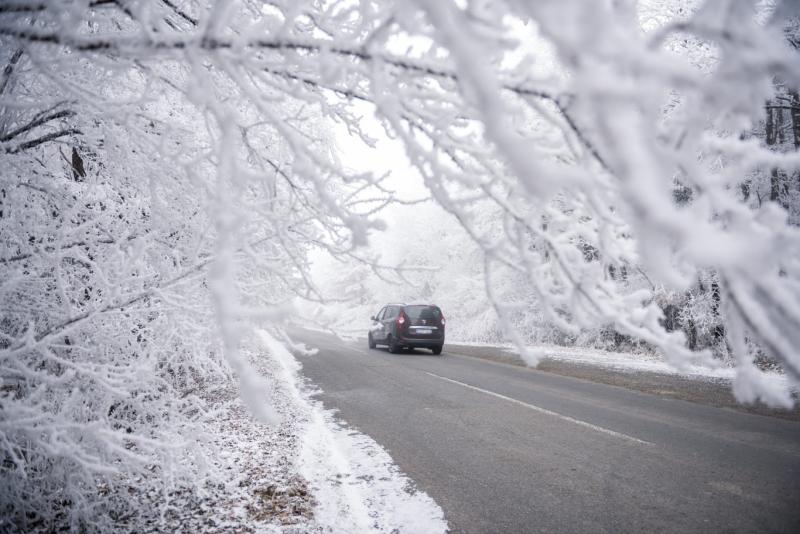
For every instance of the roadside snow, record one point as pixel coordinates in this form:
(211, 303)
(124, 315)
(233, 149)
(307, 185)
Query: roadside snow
(240, 476)
(627, 361)
(306, 474)
(356, 485)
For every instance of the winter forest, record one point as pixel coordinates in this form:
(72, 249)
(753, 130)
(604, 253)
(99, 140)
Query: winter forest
(182, 178)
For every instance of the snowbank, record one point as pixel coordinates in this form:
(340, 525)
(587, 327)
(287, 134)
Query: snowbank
(627, 361)
(355, 483)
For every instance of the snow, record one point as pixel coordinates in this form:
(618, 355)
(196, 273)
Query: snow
(307, 472)
(354, 480)
(242, 473)
(357, 484)
(204, 171)
(631, 362)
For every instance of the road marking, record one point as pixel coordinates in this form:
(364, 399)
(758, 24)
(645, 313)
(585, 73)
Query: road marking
(544, 411)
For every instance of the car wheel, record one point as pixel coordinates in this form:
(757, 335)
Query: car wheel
(437, 349)
(370, 341)
(393, 347)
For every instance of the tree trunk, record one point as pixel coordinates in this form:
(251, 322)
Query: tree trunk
(78, 172)
(795, 114)
(769, 130)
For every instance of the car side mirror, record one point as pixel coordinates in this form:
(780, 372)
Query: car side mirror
(373, 319)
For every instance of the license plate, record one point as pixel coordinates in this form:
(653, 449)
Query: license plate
(424, 330)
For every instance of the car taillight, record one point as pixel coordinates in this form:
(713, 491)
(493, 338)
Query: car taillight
(401, 319)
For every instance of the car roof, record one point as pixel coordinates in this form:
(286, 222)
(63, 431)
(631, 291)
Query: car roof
(410, 304)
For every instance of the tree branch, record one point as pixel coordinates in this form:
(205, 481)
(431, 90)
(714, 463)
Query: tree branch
(40, 140)
(182, 14)
(6, 76)
(203, 42)
(37, 121)
(103, 241)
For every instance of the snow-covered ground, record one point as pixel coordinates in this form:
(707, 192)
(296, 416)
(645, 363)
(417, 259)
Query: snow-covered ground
(626, 361)
(356, 485)
(308, 473)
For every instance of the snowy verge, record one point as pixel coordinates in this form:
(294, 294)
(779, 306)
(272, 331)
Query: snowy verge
(308, 473)
(355, 483)
(627, 362)
(240, 476)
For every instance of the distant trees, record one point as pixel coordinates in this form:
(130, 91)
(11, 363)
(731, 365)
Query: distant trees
(700, 314)
(782, 134)
(167, 166)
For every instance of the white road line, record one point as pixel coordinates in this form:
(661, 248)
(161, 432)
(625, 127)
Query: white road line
(544, 411)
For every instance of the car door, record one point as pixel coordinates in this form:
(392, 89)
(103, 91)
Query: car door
(388, 320)
(378, 332)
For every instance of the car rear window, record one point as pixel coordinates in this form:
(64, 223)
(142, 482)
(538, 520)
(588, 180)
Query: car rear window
(422, 312)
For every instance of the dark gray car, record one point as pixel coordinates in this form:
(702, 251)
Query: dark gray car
(411, 326)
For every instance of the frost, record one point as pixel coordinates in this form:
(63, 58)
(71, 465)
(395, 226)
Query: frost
(169, 170)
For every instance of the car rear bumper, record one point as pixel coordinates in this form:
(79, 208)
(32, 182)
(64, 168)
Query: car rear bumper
(420, 342)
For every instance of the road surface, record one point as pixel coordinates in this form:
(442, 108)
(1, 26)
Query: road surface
(507, 449)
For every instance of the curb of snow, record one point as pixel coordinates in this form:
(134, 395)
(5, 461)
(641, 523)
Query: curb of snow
(356, 485)
(628, 362)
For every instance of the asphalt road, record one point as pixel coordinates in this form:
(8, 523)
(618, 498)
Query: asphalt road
(507, 449)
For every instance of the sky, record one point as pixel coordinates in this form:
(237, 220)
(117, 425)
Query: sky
(387, 156)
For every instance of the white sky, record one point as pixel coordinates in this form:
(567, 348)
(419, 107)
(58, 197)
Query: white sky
(387, 156)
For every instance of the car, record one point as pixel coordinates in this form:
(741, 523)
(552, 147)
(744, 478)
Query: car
(400, 326)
